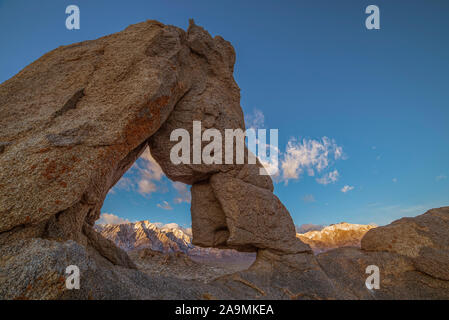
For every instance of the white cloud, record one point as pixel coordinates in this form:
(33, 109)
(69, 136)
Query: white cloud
(149, 173)
(440, 177)
(310, 156)
(255, 120)
(124, 183)
(308, 198)
(270, 163)
(151, 170)
(146, 186)
(183, 193)
(347, 188)
(394, 180)
(330, 177)
(109, 218)
(165, 205)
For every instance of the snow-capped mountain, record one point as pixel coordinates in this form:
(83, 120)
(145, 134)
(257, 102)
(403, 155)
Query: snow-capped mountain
(172, 238)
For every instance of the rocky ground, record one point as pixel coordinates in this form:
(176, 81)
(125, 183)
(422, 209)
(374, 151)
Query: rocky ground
(75, 120)
(178, 265)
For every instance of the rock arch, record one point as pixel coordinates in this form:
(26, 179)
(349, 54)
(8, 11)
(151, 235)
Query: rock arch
(71, 124)
(77, 118)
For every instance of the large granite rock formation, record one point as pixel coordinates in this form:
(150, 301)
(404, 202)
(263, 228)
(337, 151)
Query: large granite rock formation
(335, 236)
(76, 119)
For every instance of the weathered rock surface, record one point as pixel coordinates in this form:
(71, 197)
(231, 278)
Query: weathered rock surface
(209, 226)
(255, 217)
(288, 276)
(77, 118)
(335, 236)
(35, 269)
(399, 278)
(341, 273)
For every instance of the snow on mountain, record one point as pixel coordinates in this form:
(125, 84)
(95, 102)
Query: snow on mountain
(335, 236)
(169, 238)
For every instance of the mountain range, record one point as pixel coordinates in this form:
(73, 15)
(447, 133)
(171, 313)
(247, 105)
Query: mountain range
(172, 238)
(335, 236)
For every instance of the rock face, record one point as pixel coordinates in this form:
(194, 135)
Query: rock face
(341, 273)
(335, 236)
(255, 217)
(423, 239)
(76, 119)
(411, 253)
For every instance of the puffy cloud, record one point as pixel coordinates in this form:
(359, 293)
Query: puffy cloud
(146, 186)
(144, 174)
(330, 177)
(347, 188)
(109, 218)
(308, 198)
(308, 155)
(183, 193)
(270, 163)
(311, 156)
(165, 205)
(151, 169)
(124, 183)
(255, 121)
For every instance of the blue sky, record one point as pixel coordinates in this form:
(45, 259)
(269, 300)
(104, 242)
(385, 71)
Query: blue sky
(313, 70)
